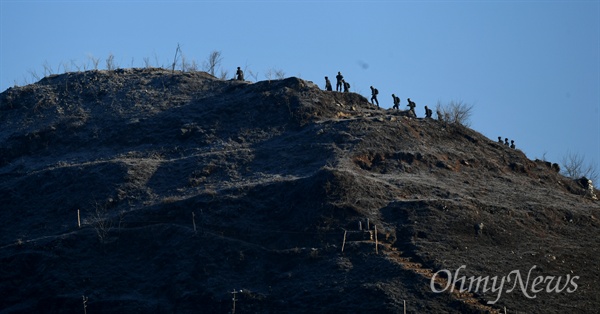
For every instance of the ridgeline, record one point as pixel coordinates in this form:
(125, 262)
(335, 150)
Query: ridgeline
(151, 191)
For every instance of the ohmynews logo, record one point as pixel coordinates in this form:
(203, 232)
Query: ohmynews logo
(530, 287)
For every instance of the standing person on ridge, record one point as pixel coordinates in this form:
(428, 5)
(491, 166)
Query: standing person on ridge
(374, 93)
(327, 84)
(340, 79)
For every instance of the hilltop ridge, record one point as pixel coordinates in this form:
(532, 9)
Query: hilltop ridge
(190, 187)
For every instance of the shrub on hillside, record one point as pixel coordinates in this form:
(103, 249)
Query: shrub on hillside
(455, 112)
(575, 167)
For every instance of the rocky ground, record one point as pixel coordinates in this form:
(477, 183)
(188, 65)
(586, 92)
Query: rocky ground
(190, 188)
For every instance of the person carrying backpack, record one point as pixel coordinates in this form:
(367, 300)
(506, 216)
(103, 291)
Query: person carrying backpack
(412, 106)
(396, 102)
(374, 93)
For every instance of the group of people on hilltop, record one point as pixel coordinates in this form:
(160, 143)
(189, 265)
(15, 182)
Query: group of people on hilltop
(505, 142)
(341, 84)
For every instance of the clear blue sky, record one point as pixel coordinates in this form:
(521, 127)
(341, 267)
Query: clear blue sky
(530, 68)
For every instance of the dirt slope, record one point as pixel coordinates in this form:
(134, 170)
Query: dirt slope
(190, 188)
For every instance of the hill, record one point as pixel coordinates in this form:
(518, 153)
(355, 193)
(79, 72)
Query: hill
(191, 191)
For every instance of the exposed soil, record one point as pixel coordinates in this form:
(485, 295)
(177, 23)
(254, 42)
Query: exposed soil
(190, 188)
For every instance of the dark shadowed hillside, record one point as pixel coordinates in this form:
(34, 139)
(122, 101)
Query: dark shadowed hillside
(189, 188)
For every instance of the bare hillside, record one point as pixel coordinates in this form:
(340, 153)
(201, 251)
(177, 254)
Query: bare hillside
(190, 188)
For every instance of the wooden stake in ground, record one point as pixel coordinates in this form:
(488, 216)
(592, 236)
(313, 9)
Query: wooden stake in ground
(344, 241)
(376, 248)
(78, 219)
(233, 299)
(404, 306)
(85, 299)
(194, 221)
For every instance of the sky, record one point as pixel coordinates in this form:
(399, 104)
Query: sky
(531, 69)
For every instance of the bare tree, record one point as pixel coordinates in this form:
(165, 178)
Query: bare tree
(252, 74)
(95, 61)
(177, 53)
(110, 62)
(274, 73)
(279, 74)
(66, 67)
(158, 64)
(188, 66)
(213, 62)
(223, 74)
(455, 112)
(47, 68)
(575, 167)
(184, 63)
(193, 67)
(101, 222)
(77, 66)
(25, 81)
(34, 74)
(269, 74)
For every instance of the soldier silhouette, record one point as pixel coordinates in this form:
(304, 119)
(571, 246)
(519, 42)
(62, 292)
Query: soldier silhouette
(327, 84)
(428, 112)
(374, 93)
(240, 74)
(346, 86)
(412, 106)
(340, 82)
(396, 102)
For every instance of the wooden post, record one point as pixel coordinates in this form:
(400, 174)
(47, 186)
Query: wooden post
(376, 249)
(194, 221)
(78, 219)
(85, 299)
(344, 242)
(368, 224)
(233, 299)
(360, 225)
(404, 306)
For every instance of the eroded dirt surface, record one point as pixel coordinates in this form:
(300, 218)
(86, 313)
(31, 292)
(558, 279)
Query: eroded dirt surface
(189, 187)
